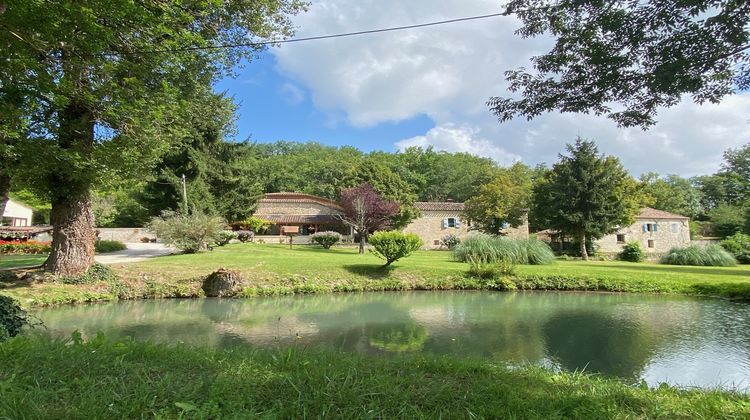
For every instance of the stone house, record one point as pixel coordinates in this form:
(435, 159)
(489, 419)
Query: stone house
(299, 215)
(438, 219)
(16, 214)
(657, 231)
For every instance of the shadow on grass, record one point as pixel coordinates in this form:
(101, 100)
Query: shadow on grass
(673, 269)
(373, 271)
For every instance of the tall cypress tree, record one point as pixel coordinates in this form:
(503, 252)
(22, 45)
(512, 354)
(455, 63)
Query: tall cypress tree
(586, 194)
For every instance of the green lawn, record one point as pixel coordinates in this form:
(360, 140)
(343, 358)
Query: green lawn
(16, 261)
(276, 269)
(51, 379)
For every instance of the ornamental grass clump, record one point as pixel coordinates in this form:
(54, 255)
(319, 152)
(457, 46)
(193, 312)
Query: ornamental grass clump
(326, 239)
(392, 246)
(710, 255)
(492, 249)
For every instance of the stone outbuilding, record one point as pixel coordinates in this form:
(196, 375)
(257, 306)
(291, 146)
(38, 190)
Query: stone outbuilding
(658, 231)
(439, 219)
(300, 214)
(16, 214)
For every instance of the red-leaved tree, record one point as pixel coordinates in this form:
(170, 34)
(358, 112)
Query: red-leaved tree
(365, 210)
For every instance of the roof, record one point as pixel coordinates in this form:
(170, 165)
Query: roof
(294, 219)
(292, 197)
(649, 213)
(439, 206)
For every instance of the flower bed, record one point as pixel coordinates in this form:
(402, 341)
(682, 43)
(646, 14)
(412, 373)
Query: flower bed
(28, 247)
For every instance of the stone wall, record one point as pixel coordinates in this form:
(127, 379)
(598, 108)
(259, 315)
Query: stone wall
(430, 227)
(124, 234)
(668, 234)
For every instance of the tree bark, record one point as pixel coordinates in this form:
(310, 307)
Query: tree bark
(73, 235)
(584, 252)
(361, 242)
(4, 190)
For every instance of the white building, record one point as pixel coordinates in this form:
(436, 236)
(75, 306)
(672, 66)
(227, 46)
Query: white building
(16, 214)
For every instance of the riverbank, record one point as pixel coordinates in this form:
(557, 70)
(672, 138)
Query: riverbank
(125, 380)
(277, 270)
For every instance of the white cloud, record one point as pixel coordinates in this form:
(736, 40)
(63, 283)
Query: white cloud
(447, 73)
(452, 138)
(292, 94)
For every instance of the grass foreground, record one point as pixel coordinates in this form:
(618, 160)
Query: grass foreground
(43, 378)
(277, 270)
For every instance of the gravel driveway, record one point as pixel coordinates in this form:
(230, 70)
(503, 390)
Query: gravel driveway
(136, 251)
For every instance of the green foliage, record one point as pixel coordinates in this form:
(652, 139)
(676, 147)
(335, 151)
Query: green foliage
(739, 246)
(244, 235)
(450, 241)
(326, 239)
(710, 255)
(483, 248)
(491, 270)
(255, 224)
(501, 202)
(188, 232)
(392, 246)
(12, 318)
(632, 251)
(673, 194)
(628, 60)
(95, 274)
(104, 246)
(224, 237)
(28, 247)
(727, 220)
(586, 195)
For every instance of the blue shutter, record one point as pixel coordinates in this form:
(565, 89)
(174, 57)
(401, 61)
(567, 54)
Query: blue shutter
(445, 223)
(458, 223)
(655, 226)
(645, 228)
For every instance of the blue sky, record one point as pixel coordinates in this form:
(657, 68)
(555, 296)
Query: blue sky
(273, 107)
(429, 86)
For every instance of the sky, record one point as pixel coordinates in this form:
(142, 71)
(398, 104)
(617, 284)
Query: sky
(429, 86)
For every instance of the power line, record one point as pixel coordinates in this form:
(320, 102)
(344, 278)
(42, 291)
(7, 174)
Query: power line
(309, 38)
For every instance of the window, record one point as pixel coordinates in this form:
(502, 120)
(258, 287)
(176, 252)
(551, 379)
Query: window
(650, 227)
(452, 222)
(674, 227)
(650, 243)
(620, 238)
(436, 242)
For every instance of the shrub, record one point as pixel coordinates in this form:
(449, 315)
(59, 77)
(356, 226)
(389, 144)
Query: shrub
(12, 317)
(102, 246)
(739, 246)
(392, 246)
(450, 241)
(491, 270)
(224, 237)
(28, 247)
(710, 255)
(95, 274)
(189, 232)
(255, 224)
(493, 249)
(245, 235)
(632, 251)
(326, 239)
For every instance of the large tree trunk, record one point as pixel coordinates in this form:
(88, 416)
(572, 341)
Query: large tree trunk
(4, 190)
(73, 235)
(584, 252)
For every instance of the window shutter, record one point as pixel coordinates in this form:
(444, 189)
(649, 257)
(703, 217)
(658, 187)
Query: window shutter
(655, 226)
(445, 223)
(458, 223)
(645, 227)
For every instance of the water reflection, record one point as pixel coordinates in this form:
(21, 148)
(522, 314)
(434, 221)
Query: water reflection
(655, 338)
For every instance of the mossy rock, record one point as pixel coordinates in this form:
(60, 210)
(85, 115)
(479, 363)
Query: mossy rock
(223, 283)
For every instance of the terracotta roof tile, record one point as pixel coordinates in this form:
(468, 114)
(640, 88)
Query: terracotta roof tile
(291, 197)
(649, 213)
(295, 219)
(439, 206)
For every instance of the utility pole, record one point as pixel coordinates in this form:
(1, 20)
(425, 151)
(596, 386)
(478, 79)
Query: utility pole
(184, 192)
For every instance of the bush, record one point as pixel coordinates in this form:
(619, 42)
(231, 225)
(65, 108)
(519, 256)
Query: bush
(102, 246)
(12, 317)
(710, 255)
(450, 241)
(326, 239)
(739, 246)
(224, 237)
(255, 224)
(632, 251)
(95, 274)
(245, 235)
(491, 270)
(392, 246)
(189, 232)
(494, 249)
(28, 247)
